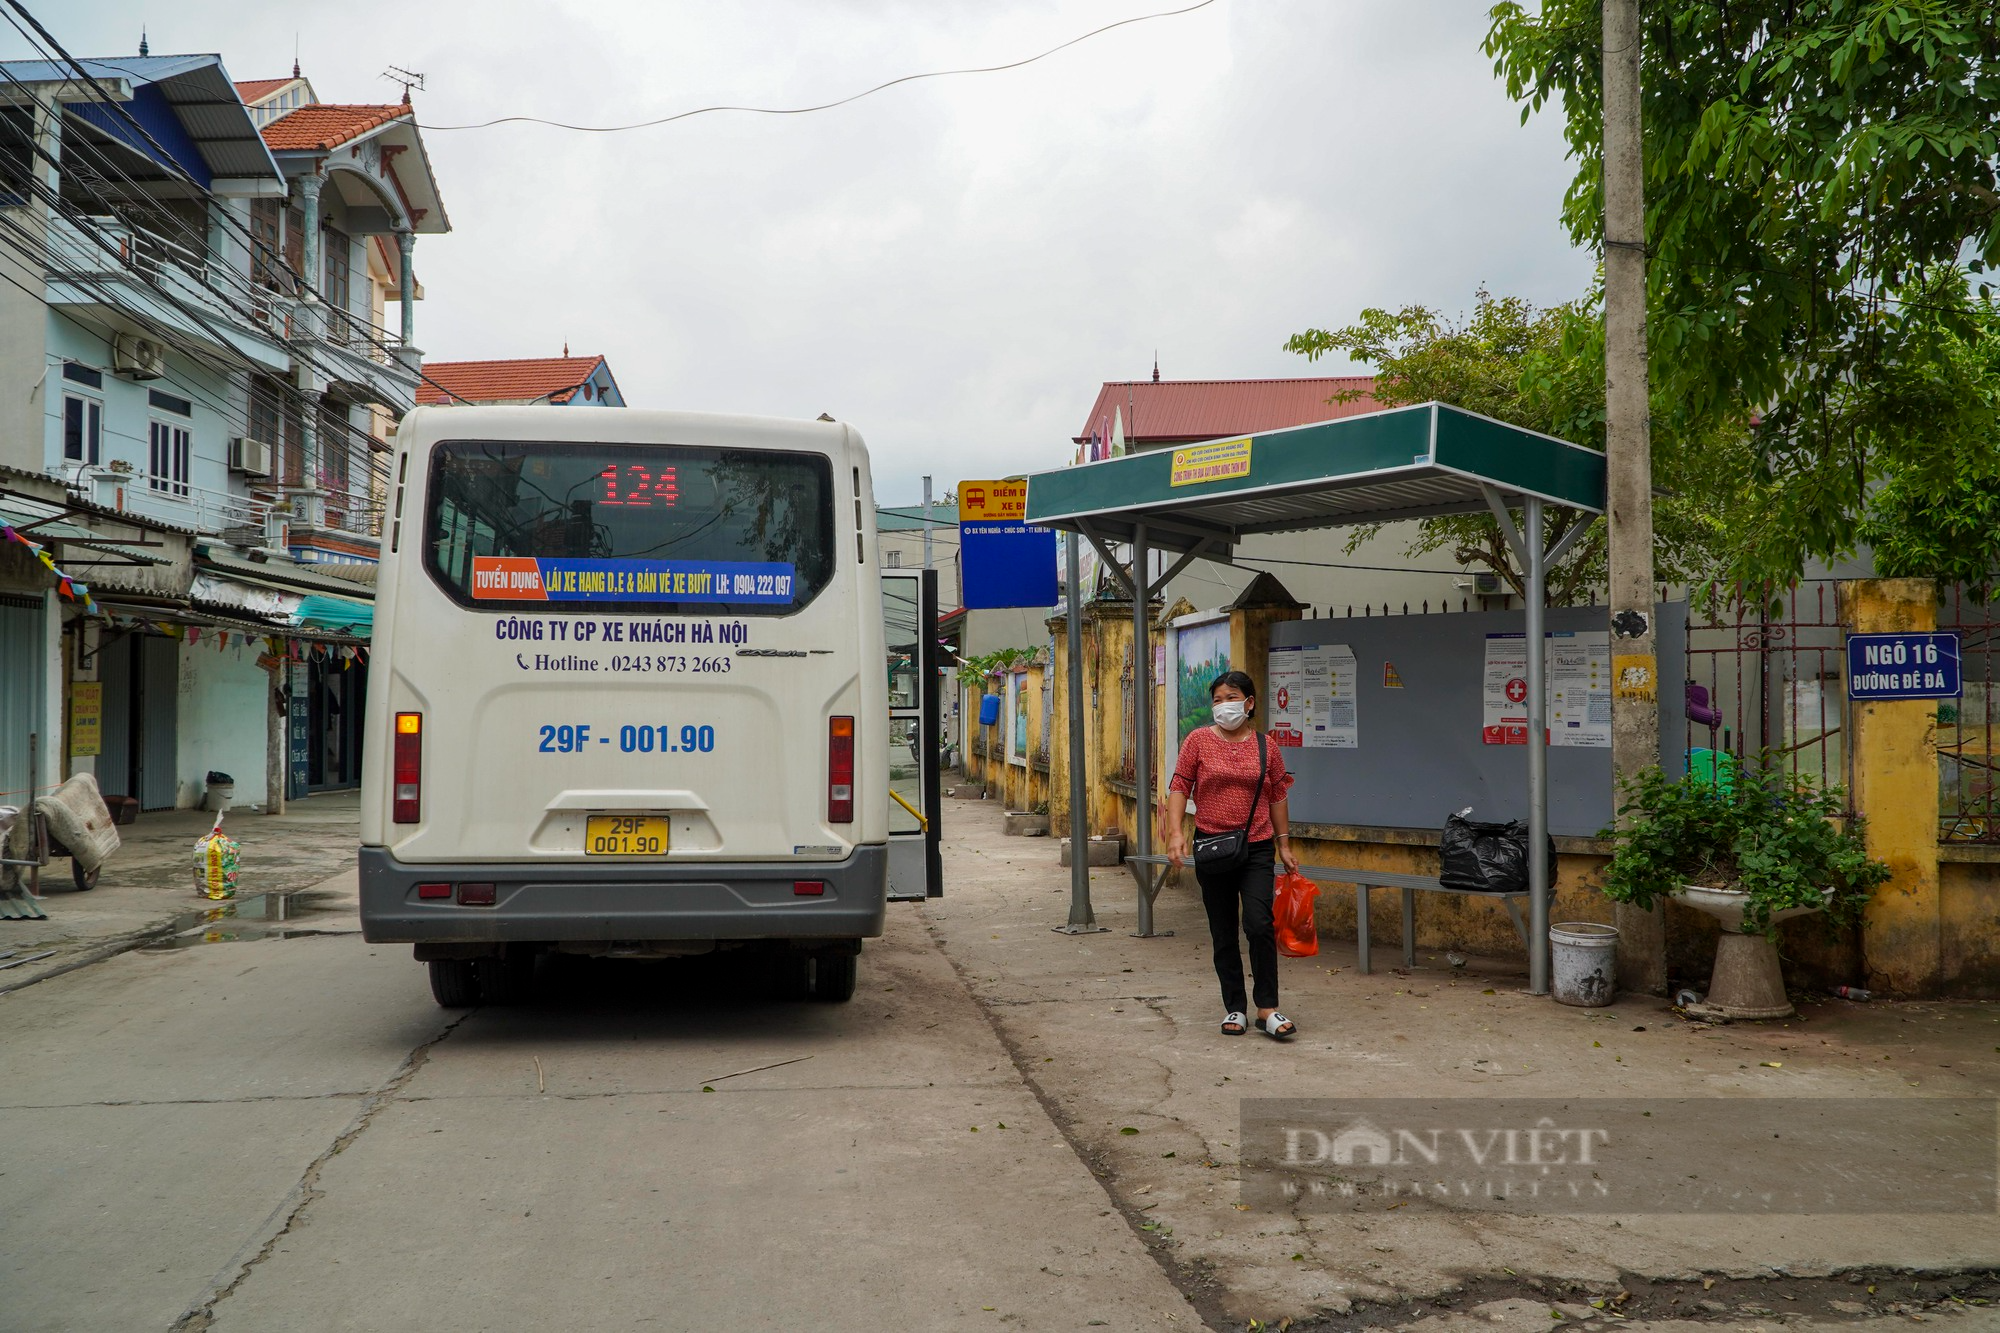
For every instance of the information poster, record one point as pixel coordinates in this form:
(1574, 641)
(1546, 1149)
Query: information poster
(1578, 705)
(86, 718)
(1505, 720)
(1580, 689)
(1286, 723)
(1331, 721)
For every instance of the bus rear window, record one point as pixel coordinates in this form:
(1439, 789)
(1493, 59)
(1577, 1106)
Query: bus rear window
(655, 528)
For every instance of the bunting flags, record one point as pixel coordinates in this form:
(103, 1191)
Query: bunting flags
(67, 587)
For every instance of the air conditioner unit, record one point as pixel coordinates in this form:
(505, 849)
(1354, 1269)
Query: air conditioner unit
(1486, 585)
(138, 358)
(250, 456)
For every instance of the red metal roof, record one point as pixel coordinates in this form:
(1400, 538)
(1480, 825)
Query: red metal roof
(552, 377)
(1176, 411)
(255, 90)
(316, 128)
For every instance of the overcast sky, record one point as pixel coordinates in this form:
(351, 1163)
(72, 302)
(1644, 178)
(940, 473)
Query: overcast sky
(953, 266)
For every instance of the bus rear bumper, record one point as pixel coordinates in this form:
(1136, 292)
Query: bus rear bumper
(586, 902)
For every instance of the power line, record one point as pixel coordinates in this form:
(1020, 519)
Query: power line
(823, 106)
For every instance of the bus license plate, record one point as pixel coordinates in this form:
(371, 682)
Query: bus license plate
(625, 835)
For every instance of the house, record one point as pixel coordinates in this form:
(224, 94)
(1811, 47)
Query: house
(555, 381)
(198, 375)
(1131, 416)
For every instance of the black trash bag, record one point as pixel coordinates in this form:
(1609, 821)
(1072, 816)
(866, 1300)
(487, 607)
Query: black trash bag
(1482, 857)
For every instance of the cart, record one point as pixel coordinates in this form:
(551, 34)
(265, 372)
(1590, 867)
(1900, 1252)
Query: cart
(43, 848)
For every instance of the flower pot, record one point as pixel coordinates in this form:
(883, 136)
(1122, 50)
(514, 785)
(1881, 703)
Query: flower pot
(1747, 982)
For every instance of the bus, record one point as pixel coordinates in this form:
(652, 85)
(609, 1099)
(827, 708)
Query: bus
(639, 690)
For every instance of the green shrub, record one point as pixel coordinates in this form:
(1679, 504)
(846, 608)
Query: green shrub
(1769, 833)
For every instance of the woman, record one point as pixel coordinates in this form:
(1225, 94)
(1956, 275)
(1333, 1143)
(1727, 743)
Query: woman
(1218, 768)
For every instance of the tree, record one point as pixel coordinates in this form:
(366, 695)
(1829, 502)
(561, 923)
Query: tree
(1542, 369)
(1820, 176)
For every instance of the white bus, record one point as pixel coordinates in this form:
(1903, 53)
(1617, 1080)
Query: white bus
(632, 695)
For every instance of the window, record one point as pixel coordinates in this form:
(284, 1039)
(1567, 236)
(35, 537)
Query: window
(755, 526)
(78, 373)
(83, 429)
(170, 457)
(335, 283)
(166, 402)
(892, 559)
(267, 243)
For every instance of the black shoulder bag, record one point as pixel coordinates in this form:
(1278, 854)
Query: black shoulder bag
(1224, 852)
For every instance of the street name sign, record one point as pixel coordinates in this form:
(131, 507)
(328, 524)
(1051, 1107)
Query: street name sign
(1003, 561)
(1903, 666)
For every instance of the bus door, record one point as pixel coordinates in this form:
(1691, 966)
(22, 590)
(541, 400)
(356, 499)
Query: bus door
(909, 608)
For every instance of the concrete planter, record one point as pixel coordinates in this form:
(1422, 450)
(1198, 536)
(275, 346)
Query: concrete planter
(1747, 982)
(1102, 851)
(1024, 824)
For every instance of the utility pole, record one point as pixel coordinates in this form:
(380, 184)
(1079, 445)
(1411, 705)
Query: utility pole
(927, 522)
(1635, 715)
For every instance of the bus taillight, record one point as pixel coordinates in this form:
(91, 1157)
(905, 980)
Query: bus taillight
(409, 767)
(840, 770)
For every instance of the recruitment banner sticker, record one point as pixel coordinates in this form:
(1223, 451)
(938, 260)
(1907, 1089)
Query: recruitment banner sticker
(546, 579)
(1217, 460)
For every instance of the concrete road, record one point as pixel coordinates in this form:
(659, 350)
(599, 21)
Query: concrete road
(286, 1134)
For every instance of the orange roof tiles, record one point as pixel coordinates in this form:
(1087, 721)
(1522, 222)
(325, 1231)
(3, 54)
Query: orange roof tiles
(254, 90)
(316, 128)
(552, 377)
(1174, 411)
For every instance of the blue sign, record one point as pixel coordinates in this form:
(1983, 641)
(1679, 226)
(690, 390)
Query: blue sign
(1007, 564)
(1903, 666)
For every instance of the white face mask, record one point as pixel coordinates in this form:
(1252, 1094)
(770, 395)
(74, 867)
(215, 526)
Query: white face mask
(1230, 713)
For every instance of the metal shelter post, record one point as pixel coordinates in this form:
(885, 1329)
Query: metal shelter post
(1082, 920)
(1538, 752)
(1147, 875)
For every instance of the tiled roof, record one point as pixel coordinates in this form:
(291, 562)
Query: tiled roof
(255, 90)
(552, 377)
(1167, 411)
(315, 128)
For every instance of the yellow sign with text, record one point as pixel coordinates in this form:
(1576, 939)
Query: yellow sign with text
(1217, 460)
(992, 501)
(86, 718)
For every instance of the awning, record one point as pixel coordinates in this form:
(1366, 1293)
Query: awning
(1406, 462)
(42, 527)
(337, 613)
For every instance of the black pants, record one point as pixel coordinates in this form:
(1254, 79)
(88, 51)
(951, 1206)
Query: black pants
(1221, 892)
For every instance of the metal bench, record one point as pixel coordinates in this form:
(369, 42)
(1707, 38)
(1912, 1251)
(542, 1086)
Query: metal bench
(1363, 880)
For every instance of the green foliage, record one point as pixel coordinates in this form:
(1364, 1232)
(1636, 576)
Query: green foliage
(1765, 831)
(973, 671)
(1542, 369)
(1816, 173)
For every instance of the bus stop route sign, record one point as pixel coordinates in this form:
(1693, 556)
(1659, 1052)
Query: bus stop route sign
(1903, 666)
(1002, 561)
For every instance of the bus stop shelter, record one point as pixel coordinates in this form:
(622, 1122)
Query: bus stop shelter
(1201, 501)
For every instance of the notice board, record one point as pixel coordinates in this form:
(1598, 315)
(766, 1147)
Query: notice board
(1414, 745)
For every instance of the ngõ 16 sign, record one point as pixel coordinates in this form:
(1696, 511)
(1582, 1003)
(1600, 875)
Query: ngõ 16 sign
(1903, 666)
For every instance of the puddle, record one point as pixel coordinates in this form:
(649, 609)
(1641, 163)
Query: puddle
(258, 916)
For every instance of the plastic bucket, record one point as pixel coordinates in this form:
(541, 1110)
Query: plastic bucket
(1583, 963)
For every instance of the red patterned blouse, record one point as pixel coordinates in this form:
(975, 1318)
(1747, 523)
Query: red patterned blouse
(1220, 777)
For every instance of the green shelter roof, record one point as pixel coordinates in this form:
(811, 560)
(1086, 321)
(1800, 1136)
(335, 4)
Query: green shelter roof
(1406, 462)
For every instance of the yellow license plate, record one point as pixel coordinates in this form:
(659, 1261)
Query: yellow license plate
(625, 835)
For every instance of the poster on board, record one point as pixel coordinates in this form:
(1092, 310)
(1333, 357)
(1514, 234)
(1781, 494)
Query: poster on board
(1505, 713)
(1580, 689)
(1285, 718)
(1332, 721)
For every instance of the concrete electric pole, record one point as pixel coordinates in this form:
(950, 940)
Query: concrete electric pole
(1635, 717)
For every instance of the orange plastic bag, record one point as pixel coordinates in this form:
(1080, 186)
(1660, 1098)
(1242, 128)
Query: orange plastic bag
(1292, 914)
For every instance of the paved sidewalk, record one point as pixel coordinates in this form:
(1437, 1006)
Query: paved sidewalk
(1119, 1037)
(147, 888)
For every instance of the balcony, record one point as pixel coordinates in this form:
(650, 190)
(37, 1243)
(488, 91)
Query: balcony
(105, 262)
(238, 518)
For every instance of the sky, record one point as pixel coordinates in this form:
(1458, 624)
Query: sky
(953, 266)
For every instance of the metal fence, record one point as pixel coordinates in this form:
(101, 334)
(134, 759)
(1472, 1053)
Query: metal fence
(1769, 681)
(1968, 776)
